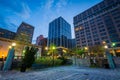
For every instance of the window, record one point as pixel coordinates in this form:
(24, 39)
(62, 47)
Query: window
(103, 34)
(96, 39)
(102, 30)
(97, 43)
(102, 26)
(102, 5)
(104, 38)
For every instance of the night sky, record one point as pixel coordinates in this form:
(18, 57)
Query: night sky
(40, 12)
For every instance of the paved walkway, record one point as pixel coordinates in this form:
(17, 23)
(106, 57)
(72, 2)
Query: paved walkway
(63, 73)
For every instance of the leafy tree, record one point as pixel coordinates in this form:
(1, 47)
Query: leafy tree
(77, 51)
(97, 50)
(29, 57)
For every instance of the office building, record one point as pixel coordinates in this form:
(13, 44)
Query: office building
(98, 23)
(25, 33)
(7, 34)
(59, 33)
(42, 42)
(73, 42)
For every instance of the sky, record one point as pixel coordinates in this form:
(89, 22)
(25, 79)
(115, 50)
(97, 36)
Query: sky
(39, 13)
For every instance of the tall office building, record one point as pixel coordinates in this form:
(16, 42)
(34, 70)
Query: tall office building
(59, 33)
(24, 33)
(7, 34)
(98, 23)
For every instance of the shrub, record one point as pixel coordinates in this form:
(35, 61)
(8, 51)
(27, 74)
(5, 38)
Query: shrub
(47, 61)
(65, 61)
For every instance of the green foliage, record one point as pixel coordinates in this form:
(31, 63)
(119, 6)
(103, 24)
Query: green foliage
(48, 61)
(79, 51)
(65, 61)
(52, 50)
(97, 49)
(29, 57)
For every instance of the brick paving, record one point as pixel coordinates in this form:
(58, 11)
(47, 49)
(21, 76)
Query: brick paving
(63, 73)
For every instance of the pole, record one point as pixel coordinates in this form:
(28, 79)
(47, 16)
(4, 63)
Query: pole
(113, 50)
(110, 59)
(2, 62)
(53, 57)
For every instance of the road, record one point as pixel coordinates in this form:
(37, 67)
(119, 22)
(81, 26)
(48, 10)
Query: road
(63, 73)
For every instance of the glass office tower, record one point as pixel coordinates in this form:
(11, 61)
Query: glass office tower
(59, 33)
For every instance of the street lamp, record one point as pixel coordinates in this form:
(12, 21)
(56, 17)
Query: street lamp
(86, 49)
(10, 47)
(109, 58)
(53, 48)
(13, 44)
(106, 47)
(3, 59)
(113, 45)
(10, 57)
(46, 48)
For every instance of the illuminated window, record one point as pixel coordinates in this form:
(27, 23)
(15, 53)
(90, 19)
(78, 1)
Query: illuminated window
(76, 29)
(81, 28)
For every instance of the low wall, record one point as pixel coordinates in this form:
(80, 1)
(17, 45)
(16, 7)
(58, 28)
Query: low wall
(81, 62)
(117, 61)
(1, 65)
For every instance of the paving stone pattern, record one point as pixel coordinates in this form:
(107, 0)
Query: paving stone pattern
(63, 73)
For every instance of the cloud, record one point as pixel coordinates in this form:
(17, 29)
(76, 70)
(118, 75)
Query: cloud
(11, 10)
(60, 5)
(49, 4)
(25, 12)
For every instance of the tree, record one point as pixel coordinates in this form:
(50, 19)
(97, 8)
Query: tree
(29, 57)
(78, 52)
(97, 50)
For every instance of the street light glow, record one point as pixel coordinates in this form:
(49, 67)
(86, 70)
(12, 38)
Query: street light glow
(46, 48)
(64, 51)
(104, 42)
(86, 48)
(10, 47)
(2, 55)
(13, 44)
(105, 46)
(53, 47)
(113, 44)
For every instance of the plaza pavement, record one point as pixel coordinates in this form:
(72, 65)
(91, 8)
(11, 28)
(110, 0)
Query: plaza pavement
(63, 73)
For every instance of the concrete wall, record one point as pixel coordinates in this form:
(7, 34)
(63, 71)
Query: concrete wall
(81, 62)
(117, 61)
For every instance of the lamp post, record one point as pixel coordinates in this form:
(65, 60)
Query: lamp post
(2, 59)
(53, 48)
(113, 45)
(109, 57)
(10, 57)
(86, 49)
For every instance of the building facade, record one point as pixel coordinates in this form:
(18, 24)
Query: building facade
(73, 41)
(42, 42)
(7, 34)
(38, 40)
(24, 33)
(98, 23)
(59, 33)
